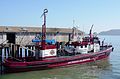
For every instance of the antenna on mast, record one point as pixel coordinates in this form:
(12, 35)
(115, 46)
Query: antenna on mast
(44, 16)
(44, 27)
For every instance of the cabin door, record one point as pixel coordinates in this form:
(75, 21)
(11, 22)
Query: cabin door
(11, 38)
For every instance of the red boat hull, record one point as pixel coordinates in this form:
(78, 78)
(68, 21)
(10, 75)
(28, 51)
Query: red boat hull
(12, 66)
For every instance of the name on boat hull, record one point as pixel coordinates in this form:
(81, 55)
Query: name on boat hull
(71, 62)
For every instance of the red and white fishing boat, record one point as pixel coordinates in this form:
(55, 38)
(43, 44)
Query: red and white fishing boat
(88, 49)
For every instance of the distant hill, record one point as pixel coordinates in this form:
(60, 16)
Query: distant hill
(111, 32)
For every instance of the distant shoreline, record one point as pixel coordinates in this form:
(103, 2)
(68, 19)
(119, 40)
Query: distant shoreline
(108, 35)
(110, 32)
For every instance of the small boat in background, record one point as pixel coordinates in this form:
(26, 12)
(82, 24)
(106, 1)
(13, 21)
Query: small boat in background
(51, 55)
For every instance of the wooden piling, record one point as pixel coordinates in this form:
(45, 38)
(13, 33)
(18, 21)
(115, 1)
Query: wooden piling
(25, 54)
(17, 51)
(20, 52)
(1, 61)
(13, 50)
(5, 52)
(29, 52)
(8, 51)
(32, 52)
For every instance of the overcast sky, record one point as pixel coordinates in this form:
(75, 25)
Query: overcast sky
(104, 14)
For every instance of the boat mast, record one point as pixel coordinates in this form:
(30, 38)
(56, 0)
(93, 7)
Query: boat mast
(44, 28)
(91, 33)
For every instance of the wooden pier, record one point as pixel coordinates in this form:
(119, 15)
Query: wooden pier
(15, 51)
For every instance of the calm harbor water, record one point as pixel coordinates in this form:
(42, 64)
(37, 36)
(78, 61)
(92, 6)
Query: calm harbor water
(105, 69)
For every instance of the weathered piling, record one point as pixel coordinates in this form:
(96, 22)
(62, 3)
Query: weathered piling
(29, 52)
(13, 50)
(33, 49)
(8, 51)
(1, 65)
(5, 52)
(25, 54)
(10, 48)
(20, 52)
(17, 51)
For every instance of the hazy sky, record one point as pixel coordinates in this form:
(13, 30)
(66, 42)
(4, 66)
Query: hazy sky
(104, 14)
